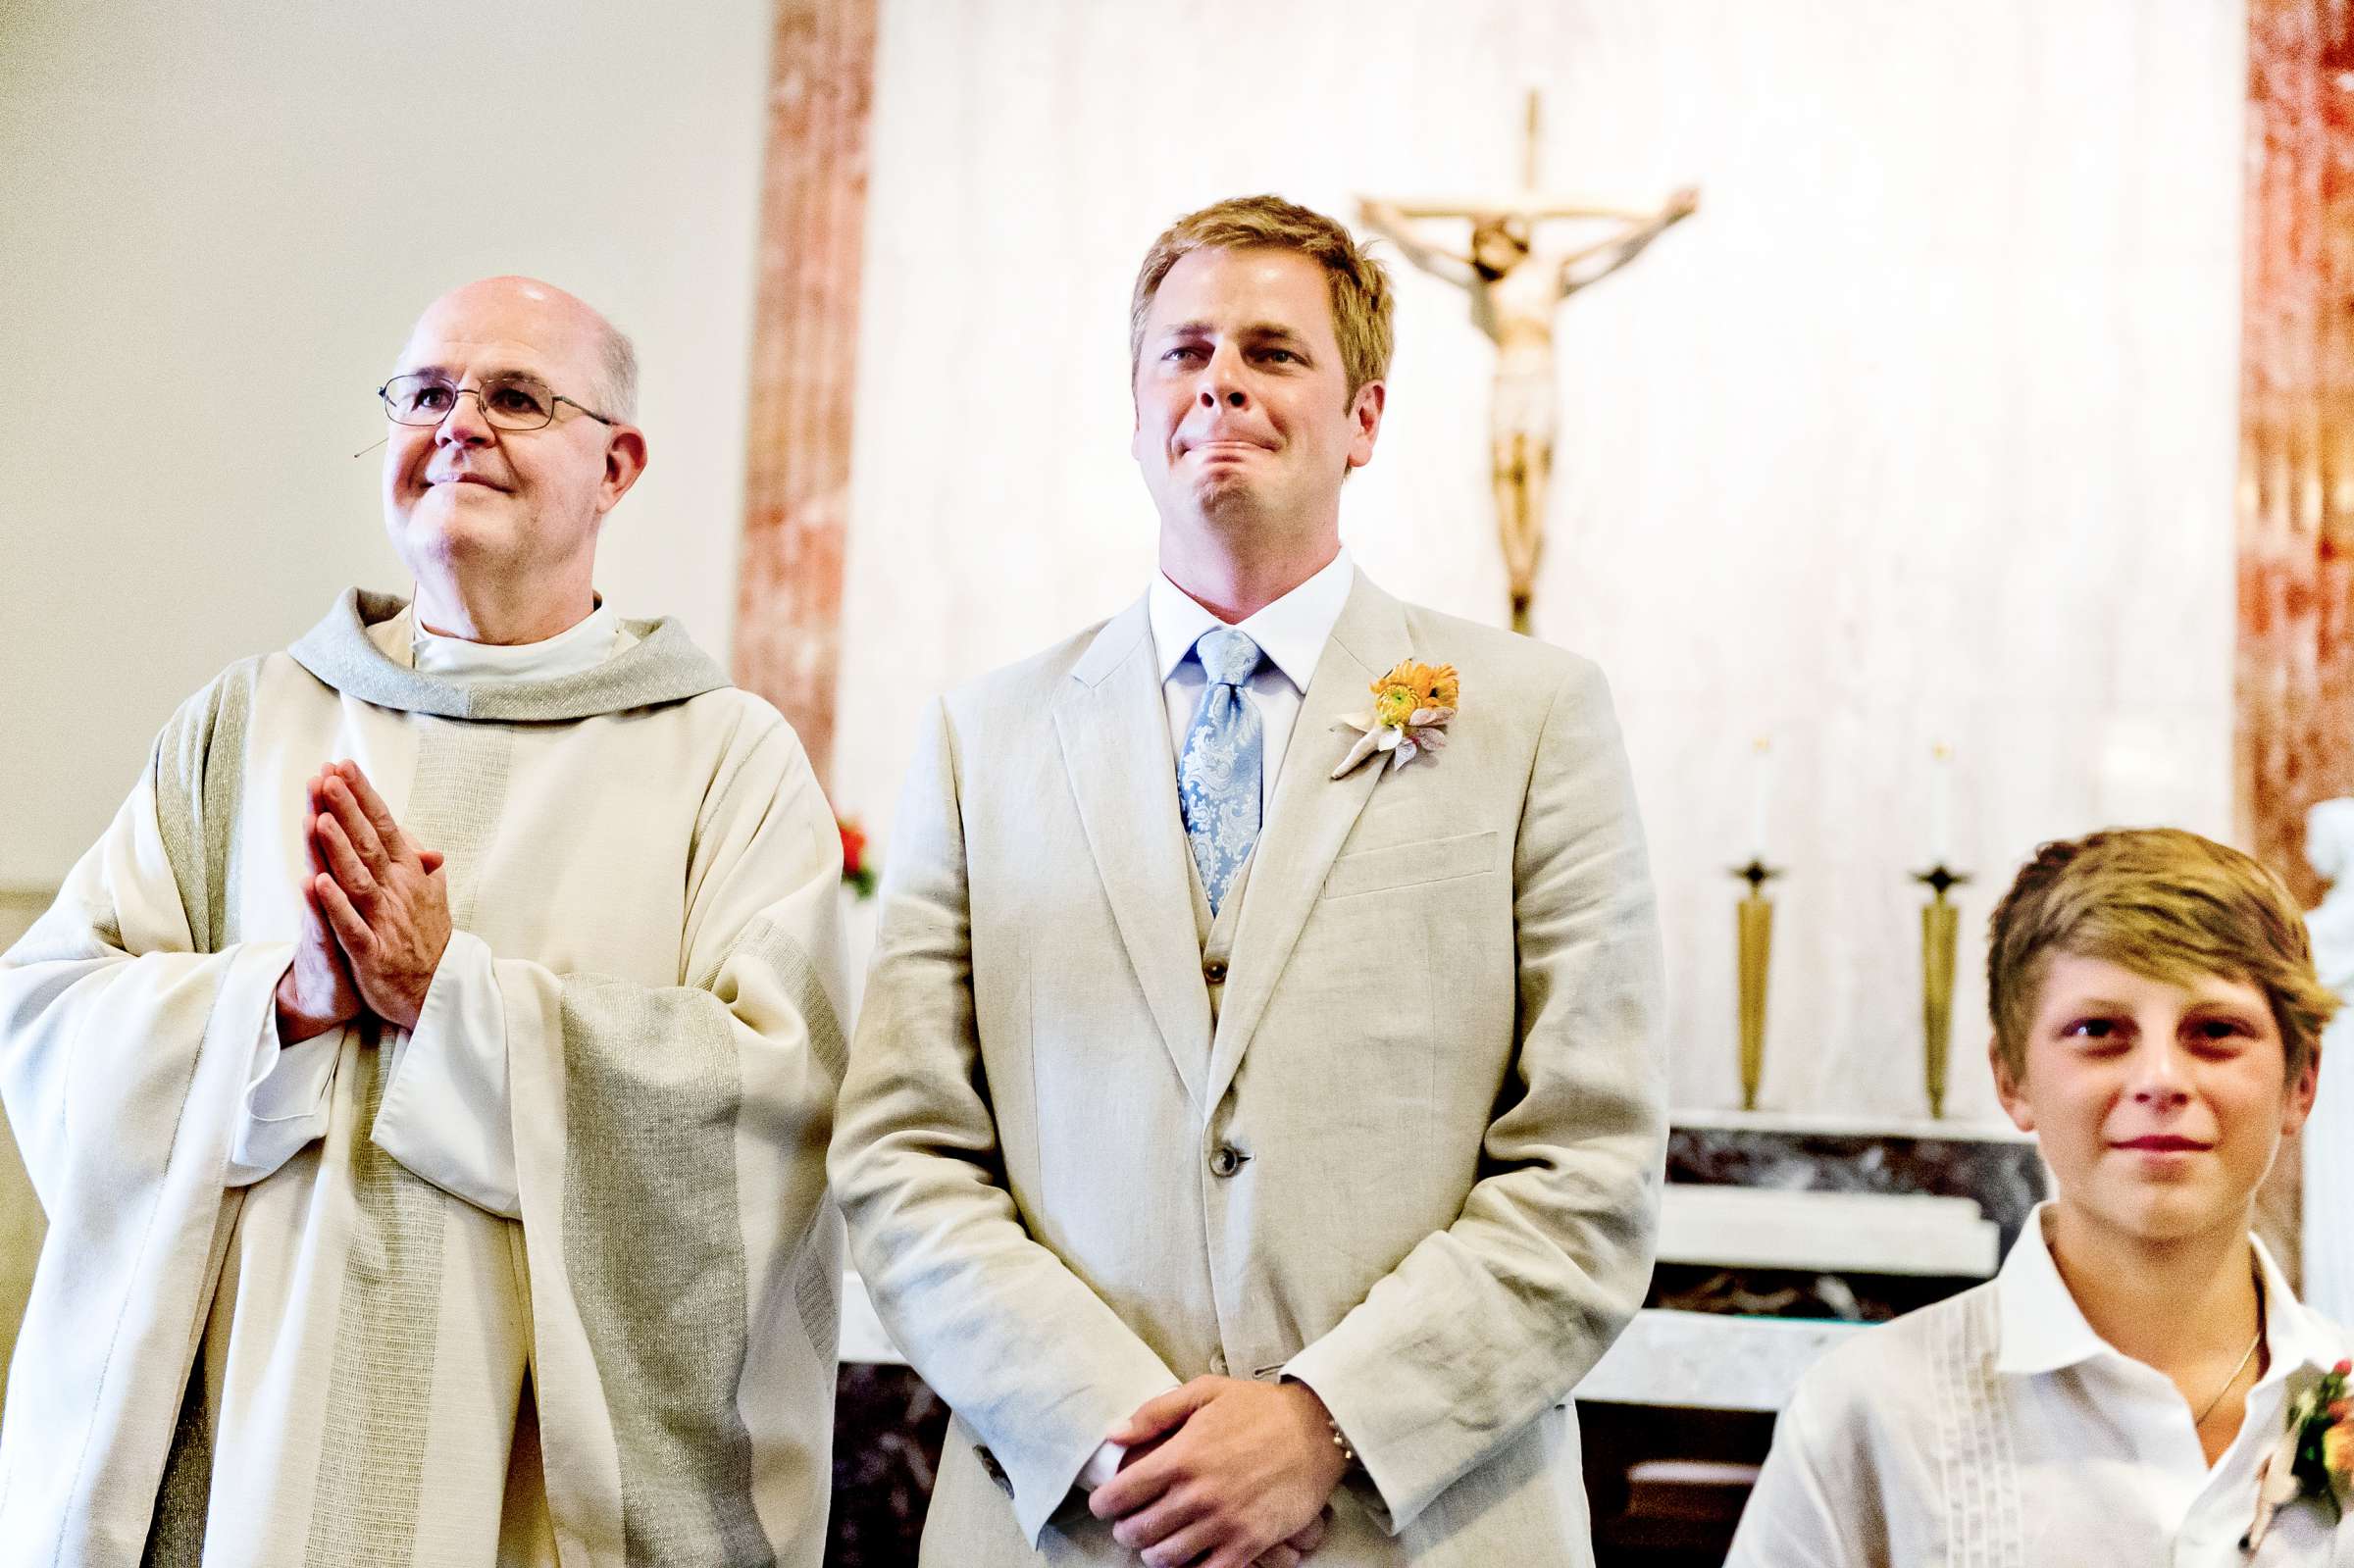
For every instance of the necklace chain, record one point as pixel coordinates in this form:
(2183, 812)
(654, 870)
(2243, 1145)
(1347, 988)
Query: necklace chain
(2246, 1356)
(2256, 1278)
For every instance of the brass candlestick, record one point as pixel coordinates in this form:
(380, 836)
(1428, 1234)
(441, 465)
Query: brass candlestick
(1940, 932)
(1754, 930)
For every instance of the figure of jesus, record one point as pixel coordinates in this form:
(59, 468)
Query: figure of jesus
(1514, 290)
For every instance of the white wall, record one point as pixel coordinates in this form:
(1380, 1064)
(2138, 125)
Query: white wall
(219, 220)
(1923, 429)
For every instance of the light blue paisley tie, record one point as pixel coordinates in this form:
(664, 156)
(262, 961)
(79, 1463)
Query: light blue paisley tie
(1218, 771)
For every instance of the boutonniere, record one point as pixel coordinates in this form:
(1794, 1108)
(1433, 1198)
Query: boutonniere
(2314, 1459)
(1412, 705)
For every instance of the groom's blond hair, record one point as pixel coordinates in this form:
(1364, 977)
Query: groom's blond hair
(1359, 285)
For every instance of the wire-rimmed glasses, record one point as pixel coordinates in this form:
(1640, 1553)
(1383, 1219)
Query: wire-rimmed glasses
(508, 402)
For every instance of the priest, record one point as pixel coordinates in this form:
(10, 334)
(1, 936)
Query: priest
(427, 1075)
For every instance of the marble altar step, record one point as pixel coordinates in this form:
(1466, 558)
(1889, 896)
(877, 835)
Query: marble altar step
(1704, 1360)
(1827, 1232)
(1707, 1359)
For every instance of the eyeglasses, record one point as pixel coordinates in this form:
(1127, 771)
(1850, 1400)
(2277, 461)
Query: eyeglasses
(508, 402)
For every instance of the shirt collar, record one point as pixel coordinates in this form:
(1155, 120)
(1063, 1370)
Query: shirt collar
(1292, 632)
(2294, 1335)
(2043, 1330)
(2042, 1327)
(581, 646)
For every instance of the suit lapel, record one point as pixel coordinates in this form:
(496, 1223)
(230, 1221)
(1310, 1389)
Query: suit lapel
(1311, 819)
(1113, 727)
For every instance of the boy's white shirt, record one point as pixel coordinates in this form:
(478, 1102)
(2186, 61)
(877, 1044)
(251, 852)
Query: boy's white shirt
(1997, 1428)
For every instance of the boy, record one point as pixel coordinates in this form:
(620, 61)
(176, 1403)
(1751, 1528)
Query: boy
(2114, 1394)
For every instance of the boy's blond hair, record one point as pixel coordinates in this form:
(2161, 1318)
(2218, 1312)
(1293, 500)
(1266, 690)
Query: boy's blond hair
(2161, 902)
(1359, 287)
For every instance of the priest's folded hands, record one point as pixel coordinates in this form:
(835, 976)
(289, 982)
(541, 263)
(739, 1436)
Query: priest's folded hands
(384, 897)
(371, 891)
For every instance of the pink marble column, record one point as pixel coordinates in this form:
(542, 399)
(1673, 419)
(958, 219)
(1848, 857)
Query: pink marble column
(805, 362)
(2296, 485)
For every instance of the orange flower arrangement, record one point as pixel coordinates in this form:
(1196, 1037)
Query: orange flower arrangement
(2314, 1458)
(1412, 705)
(1411, 687)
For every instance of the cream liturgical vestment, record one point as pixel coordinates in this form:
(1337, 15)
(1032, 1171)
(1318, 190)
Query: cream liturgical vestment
(1390, 1124)
(553, 1280)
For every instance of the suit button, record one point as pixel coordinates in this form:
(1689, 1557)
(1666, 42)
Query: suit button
(1215, 972)
(1226, 1159)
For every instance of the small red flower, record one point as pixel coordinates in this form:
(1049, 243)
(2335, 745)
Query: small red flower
(857, 874)
(2343, 1368)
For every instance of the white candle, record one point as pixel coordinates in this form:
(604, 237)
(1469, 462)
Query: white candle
(1941, 804)
(1761, 784)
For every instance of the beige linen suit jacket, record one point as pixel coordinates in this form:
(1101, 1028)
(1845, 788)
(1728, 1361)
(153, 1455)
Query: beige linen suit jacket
(1415, 1162)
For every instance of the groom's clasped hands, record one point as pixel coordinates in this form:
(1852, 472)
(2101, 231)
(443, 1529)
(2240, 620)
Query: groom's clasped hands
(1223, 1472)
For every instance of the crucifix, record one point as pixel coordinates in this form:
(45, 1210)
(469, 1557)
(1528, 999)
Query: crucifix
(1514, 292)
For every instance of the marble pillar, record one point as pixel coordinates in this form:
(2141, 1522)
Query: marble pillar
(2295, 675)
(2328, 1210)
(804, 359)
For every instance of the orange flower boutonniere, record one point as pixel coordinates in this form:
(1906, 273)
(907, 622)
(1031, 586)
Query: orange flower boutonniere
(1412, 705)
(2314, 1458)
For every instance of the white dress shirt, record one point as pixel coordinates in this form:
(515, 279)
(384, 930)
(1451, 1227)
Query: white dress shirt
(444, 1110)
(1997, 1429)
(1292, 634)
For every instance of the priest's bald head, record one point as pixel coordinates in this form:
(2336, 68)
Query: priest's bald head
(510, 441)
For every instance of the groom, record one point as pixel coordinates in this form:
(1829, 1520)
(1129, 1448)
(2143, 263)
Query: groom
(1254, 1158)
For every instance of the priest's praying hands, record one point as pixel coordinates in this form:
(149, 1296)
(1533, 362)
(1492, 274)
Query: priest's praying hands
(316, 993)
(385, 897)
